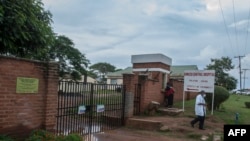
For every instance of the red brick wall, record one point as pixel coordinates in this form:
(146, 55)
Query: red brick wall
(21, 113)
(152, 91)
(152, 88)
(129, 82)
(151, 85)
(179, 87)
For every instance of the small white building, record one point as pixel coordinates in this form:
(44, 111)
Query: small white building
(117, 77)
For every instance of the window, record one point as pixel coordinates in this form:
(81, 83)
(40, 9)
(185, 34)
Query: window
(113, 81)
(164, 80)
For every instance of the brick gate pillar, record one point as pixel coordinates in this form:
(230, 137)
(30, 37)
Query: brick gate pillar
(152, 71)
(128, 81)
(51, 97)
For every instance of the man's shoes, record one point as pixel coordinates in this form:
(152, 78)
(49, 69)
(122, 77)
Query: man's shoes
(202, 129)
(192, 124)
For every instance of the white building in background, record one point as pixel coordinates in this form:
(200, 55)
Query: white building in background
(89, 80)
(117, 77)
(76, 87)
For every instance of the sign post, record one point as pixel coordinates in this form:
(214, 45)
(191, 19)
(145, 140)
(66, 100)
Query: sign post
(197, 80)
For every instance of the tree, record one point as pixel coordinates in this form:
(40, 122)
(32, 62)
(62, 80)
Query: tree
(71, 61)
(221, 67)
(101, 69)
(25, 29)
(26, 32)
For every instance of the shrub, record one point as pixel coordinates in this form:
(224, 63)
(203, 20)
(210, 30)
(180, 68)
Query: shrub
(221, 94)
(40, 135)
(43, 135)
(5, 138)
(73, 137)
(247, 104)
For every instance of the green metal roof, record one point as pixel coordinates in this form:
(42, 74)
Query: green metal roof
(176, 71)
(119, 73)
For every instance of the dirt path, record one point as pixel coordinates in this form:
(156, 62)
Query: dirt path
(179, 129)
(124, 134)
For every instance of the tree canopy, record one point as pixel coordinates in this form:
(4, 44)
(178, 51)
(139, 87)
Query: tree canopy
(99, 70)
(222, 77)
(26, 32)
(25, 28)
(71, 61)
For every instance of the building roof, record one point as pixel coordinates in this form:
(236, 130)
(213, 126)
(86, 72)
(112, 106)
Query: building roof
(176, 71)
(119, 73)
(148, 58)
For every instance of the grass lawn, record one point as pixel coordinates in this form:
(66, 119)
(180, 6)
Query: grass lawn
(228, 109)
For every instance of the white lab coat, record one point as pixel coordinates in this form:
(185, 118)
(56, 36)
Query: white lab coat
(200, 110)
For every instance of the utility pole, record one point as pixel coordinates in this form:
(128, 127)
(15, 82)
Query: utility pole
(244, 71)
(239, 68)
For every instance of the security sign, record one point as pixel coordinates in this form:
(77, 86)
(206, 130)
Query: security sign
(197, 80)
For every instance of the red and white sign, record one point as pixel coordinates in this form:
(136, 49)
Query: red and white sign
(197, 80)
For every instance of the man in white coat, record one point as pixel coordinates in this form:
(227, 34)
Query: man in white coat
(200, 110)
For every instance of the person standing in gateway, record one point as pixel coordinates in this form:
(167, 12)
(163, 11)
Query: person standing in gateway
(200, 110)
(169, 95)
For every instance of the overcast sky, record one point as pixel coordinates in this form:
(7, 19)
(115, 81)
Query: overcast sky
(191, 32)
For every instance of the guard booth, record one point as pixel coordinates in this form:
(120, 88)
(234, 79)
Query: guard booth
(149, 76)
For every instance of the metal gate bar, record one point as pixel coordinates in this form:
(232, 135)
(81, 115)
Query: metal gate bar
(87, 108)
(137, 99)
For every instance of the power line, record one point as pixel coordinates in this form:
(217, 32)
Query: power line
(236, 39)
(235, 27)
(247, 29)
(239, 68)
(244, 77)
(225, 25)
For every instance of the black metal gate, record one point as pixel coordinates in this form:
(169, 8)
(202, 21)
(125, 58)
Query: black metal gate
(87, 108)
(137, 99)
